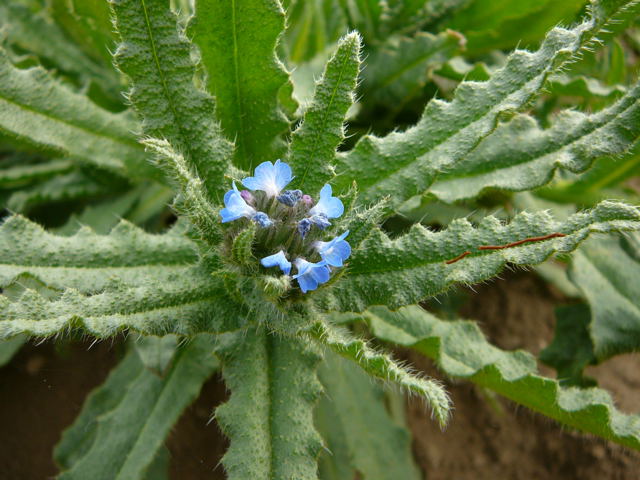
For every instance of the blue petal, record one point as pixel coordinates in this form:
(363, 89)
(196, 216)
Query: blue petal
(235, 206)
(329, 205)
(307, 283)
(270, 178)
(277, 260)
(262, 219)
(320, 273)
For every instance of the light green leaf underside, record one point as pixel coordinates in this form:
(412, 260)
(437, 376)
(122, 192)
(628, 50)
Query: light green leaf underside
(404, 164)
(268, 418)
(237, 41)
(398, 69)
(520, 155)
(359, 432)
(380, 365)
(8, 348)
(460, 350)
(608, 274)
(18, 175)
(41, 112)
(156, 56)
(124, 422)
(313, 144)
(156, 353)
(65, 187)
(413, 266)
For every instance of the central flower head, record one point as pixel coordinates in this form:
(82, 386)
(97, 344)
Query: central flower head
(290, 225)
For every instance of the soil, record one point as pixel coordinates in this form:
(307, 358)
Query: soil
(42, 390)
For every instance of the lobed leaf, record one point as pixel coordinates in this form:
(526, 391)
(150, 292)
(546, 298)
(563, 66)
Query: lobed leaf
(156, 56)
(313, 144)
(268, 418)
(520, 155)
(404, 164)
(423, 263)
(460, 350)
(237, 41)
(37, 110)
(123, 423)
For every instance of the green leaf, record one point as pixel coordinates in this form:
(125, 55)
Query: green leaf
(460, 350)
(404, 164)
(8, 348)
(237, 42)
(503, 24)
(359, 431)
(520, 155)
(414, 266)
(107, 283)
(15, 176)
(571, 349)
(71, 186)
(124, 422)
(268, 418)
(37, 110)
(381, 365)
(607, 274)
(156, 56)
(313, 144)
(399, 68)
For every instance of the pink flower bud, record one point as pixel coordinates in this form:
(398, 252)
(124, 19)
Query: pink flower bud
(248, 197)
(307, 200)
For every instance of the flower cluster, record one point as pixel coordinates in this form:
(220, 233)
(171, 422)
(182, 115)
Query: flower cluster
(290, 224)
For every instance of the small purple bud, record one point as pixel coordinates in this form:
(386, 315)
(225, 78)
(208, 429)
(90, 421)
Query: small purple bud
(307, 200)
(248, 197)
(304, 226)
(262, 219)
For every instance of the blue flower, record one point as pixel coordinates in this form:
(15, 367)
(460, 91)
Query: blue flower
(310, 275)
(262, 219)
(236, 207)
(334, 252)
(290, 197)
(277, 260)
(328, 205)
(269, 177)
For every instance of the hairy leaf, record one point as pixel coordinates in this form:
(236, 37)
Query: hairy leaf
(237, 42)
(8, 348)
(382, 366)
(404, 164)
(19, 175)
(156, 55)
(460, 350)
(313, 144)
(268, 418)
(414, 266)
(39, 111)
(127, 279)
(607, 274)
(519, 155)
(359, 431)
(124, 422)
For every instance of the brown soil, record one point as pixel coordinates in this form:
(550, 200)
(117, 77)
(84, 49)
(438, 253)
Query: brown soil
(42, 390)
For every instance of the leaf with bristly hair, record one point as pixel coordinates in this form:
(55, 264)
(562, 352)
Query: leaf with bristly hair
(460, 350)
(423, 263)
(156, 56)
(404, 164)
